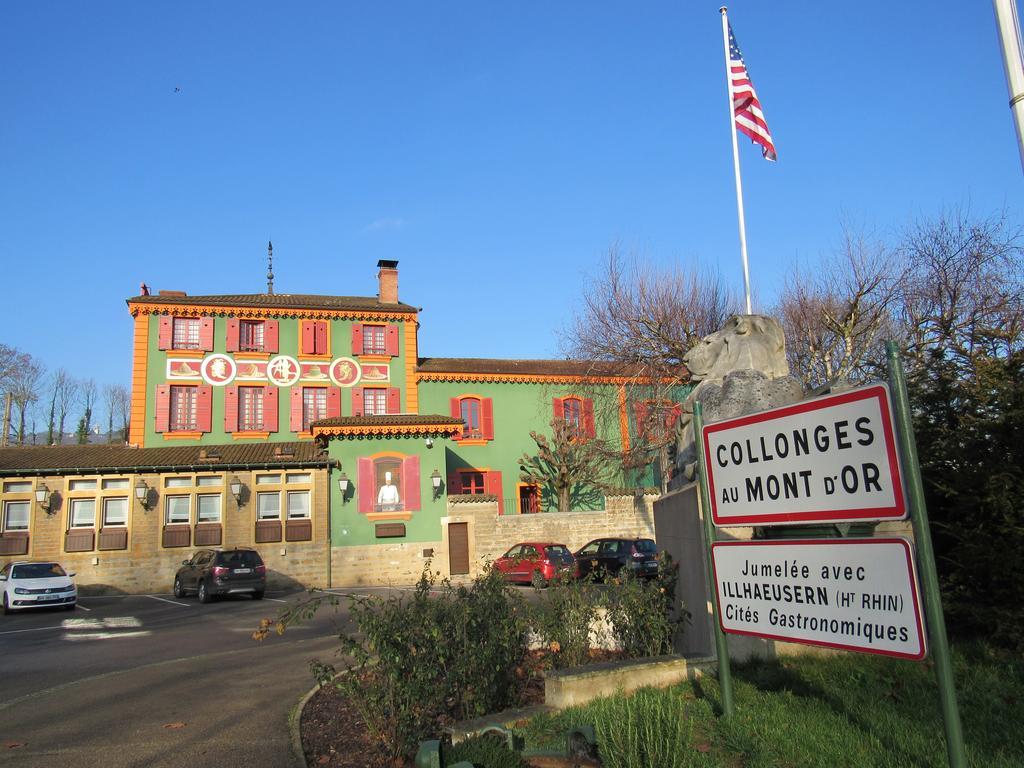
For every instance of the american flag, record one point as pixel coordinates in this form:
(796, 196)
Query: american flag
(745, 106)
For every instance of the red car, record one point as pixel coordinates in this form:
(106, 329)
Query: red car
(536, 563)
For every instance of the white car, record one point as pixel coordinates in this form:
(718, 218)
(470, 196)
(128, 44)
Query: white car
(37, 585)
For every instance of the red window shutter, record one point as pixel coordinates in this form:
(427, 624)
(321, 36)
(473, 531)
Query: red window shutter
(674, 414)
(366, 488)
(333, 403)
(307, 337)
(391, 340)
(588, 418)
(357, 401)
(640, 417)
(270, 409)
(321, 337)
(411, 482)
(357, 338)
(270, 336)
(394, 400)
(206, 334)
(492, 484)
(230, 408)
(165, 337)
(163, 408)
(295, 423)
(204, 408)
(487, 417)
(232, 338)
(456, 408)
(454, 483)
(559, 408)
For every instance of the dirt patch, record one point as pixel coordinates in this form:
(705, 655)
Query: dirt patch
(334, 734)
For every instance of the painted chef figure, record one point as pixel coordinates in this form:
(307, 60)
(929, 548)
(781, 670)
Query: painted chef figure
(387, 497)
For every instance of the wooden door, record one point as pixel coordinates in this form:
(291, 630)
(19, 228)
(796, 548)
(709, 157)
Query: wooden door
(458, 548)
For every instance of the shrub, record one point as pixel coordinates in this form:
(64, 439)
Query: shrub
(420, 660)
(564, 620)
(639, 617)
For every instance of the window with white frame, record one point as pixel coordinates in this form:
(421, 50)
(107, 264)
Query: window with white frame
(268, 506)
(83, 513)
(178, 510)
(185, 334)
(16, 515)
(298, 505)
(115, 511)
(208, 508)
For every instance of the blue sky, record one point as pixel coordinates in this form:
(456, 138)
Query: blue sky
(496, 150)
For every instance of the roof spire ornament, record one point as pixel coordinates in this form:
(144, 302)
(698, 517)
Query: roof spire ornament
(270, 268)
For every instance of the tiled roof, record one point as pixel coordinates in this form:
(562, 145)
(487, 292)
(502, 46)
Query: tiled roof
(470, 365)
(395, 419)
(283, 301)
(71, 459)
(402, 424)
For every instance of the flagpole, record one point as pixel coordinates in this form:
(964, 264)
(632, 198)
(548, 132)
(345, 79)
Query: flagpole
(736, 159)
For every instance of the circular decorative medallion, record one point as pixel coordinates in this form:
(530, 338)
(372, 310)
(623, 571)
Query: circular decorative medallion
(283, 370)
(218, 369)
(344, 372)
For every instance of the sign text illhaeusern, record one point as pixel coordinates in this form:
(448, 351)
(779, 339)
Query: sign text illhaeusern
(830, 459)
(855, 594)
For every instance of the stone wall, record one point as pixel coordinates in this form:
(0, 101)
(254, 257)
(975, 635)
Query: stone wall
(146, 565)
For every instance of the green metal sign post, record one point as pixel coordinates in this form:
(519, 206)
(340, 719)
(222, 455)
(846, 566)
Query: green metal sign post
(926, 560)
(721, 642)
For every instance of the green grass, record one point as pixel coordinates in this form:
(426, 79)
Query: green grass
(850, 710)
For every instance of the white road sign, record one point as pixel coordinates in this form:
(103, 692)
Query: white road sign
(854, 594)
(827, 460)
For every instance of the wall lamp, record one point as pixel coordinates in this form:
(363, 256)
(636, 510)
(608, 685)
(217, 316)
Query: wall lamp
(142, 493)
(343, 484)
(236, 490)
(435, 478)
(43, 498)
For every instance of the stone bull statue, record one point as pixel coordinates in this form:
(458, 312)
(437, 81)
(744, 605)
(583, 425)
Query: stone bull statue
(740, 369)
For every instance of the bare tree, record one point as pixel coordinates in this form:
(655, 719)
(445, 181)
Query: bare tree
(63, 393)
(963, 293)
(88, 392)
(644, 319)
(118, 402)
(26, 384)
(836, 316)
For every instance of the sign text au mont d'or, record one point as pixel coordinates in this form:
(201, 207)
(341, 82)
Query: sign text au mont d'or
(831, 459)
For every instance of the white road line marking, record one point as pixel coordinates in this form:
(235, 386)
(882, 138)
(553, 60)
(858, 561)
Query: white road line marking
(35, 629)
(275, 599)
(165, 600)
(82, 607)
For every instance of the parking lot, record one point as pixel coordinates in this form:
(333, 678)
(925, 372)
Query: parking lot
(168, 681)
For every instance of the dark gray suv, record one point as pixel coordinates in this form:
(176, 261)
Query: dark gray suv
(213, 572)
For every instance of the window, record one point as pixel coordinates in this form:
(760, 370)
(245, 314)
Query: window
(83, 513)
(529, 499)
(210, 480)
(388, 484)
(577, 413)
(251, 336)
(16, 515)
(298, 505)
(183, 409)
(268, 506)
(250, 409)
(177, 482)
(82, 485)
(268, 479)
(301, 477)
(179, 510)
(186, 333)
(115, 511)
(573, 414)
(208, 508)
(375, 402)
(656, 420)
(472, 482)
(117, 484)
(314, 406)
(373, 340)
(470, 411)
(18, 486)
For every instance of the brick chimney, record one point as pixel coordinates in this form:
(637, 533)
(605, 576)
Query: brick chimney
(388, 278)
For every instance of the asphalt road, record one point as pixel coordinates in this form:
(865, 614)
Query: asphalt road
(156, 681)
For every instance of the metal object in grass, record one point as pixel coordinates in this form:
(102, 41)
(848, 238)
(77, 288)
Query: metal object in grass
(580, 749)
